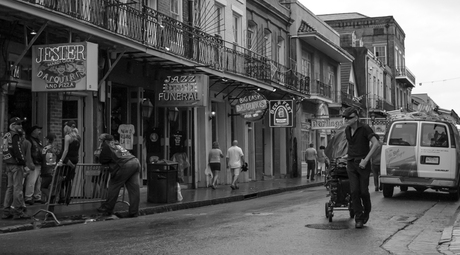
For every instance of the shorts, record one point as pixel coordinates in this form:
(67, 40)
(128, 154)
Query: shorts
(236, 171)
(214, 166)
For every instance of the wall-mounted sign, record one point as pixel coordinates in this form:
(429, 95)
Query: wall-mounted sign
(326, 123)
(184, 90)
(281, 113)
(251, 106)
(65, 67)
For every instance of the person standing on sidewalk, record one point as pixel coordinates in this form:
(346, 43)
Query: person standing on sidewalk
(322, 159)
(124, 171)
(235, 160)
(310, 158)
(359, 136)
(33, 179)
(215, 154)
(14, 160)
(49, 160)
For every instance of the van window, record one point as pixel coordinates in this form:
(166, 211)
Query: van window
(403, 134)
(434, 135)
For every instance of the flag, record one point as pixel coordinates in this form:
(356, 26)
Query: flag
(358, 99)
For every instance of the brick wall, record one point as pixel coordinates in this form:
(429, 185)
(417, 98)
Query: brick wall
(55, 116)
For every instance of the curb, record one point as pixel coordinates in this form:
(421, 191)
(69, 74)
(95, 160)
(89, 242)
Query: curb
(81, 219)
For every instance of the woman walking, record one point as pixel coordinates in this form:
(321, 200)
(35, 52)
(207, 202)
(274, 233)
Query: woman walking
(215, 155)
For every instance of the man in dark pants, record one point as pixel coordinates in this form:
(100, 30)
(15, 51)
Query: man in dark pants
(358, 168)
(124, 170)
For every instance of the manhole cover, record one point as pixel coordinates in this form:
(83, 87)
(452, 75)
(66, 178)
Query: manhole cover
(330, 226)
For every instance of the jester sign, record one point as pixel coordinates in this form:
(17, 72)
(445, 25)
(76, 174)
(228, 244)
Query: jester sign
(65, 67)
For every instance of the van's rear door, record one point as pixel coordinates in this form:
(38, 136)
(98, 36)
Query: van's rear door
(436, 155)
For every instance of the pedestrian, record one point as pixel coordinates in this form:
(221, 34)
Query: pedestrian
(26, 147)
(310, 158)
(375, 160)
(33, 180)
(322, 159)
(235, 160)
(214, 157)
(49, 157)
(359, 136)
(68, 157)
(13, 157)
(124, 171)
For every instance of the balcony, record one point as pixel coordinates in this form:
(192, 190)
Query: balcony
(322, 91)
(153, 30)
(347, 99)
(405, 76)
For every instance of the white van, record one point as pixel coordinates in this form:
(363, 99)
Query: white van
(421, 153)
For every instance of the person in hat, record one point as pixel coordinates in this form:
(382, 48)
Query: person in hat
(49, 156)
(33, 181)
(124, 171)
(359, 136)
(13, 157)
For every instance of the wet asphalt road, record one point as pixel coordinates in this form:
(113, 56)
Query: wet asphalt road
(286, 223)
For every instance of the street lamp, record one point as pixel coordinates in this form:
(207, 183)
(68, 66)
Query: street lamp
(373, 118)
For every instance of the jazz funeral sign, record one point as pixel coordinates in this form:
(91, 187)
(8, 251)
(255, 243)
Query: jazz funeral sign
(65, 67)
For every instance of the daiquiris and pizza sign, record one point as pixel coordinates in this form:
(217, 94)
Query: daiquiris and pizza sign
(65, 67)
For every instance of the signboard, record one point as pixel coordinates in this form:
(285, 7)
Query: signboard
(184, 90)
(65, 67)
(281, 113)
(326, 123)
(251, 106)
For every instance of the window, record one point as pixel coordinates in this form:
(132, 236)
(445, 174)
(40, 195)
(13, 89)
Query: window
(434, 135)
(236, 24)
(381, 53)
(252, 36)
(403, 134)
(268, 43)
(220, 20)
(281, 50)
(176, 9)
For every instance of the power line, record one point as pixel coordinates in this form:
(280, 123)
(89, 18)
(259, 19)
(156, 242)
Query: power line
(420, 83)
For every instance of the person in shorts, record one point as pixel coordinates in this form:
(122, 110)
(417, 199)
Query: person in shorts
(235, 160)
(215, 155)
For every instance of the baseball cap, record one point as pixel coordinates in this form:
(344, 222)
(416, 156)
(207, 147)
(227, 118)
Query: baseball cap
(71, 123)
(106, 137)
(51, 137)
(349, 111)
(16, 120)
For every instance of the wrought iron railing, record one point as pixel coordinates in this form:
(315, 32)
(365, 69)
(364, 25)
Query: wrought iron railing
(156, 30)
(405, 72)
(322, 89)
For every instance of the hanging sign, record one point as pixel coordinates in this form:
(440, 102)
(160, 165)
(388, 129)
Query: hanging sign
(251, 106)
(65, 67)
(281, 113)
(326, 123)
(183, 91)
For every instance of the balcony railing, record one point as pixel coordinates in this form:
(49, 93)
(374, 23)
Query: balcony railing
(156, 30)
(404, 73)
(321, 89)
(376, 102)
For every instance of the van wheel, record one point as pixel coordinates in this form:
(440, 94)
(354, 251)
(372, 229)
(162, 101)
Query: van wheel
(420, 189)
(387, 190)
(455, 195)
(403, 188)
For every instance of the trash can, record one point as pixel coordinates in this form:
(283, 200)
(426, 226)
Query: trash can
(162, 182)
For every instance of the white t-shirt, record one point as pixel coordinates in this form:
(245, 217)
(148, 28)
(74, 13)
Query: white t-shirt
(234, 155)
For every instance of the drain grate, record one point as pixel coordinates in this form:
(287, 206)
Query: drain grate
(330, 226)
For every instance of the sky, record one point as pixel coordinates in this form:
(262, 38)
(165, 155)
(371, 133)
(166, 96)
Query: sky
(432, 37)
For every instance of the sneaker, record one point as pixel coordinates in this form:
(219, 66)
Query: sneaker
(21, 216)
(213, 186)
(233, 187)
(104, 210)
(7, 215)
(29, 202)
(359, 224)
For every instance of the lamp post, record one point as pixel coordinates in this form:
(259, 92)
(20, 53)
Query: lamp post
(373, 119)
(7, 87)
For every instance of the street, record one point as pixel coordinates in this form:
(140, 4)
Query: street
(286, 223)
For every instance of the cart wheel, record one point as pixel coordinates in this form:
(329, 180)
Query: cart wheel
(326, 209)
(330, 213)
(330, 217)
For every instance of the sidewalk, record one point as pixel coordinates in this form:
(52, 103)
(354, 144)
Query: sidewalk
(74, 214)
